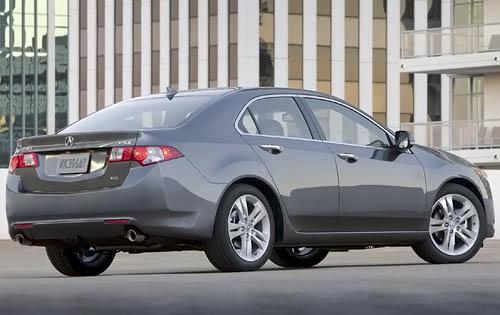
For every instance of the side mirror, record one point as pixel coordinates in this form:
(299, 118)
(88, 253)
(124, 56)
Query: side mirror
(403, 140)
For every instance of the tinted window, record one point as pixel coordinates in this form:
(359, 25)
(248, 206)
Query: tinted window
(279, 116)
(150, 113)
(343, 125)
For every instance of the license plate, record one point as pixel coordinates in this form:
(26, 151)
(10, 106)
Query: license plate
(73, 163)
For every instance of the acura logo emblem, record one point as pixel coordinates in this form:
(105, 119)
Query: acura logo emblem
(69, 141)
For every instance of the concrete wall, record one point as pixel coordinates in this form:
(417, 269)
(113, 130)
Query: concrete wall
(494, 177)
(491, 9)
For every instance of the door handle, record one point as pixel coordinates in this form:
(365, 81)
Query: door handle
(271, 148)
(350, 158)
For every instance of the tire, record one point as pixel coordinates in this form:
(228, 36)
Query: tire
(230, 255)
(430, 249)
(293, 258)
(68, 261)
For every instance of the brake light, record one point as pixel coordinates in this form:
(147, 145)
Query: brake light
(24, 160)
(145, 155)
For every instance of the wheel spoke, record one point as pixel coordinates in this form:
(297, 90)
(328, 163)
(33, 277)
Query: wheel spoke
(467, 240)
(248, 247)
(451, 243)
(263, 236)
(449, 204)
(435, 222)
(261, 243)
(466, 208)
(235, 233)
(469, 233)
(467, 215)
(437, 228)
(234, 226)
(258, 214)
(242, 206)
(446, 239)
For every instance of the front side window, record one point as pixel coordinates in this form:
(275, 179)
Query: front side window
(342, 125)
(275, 116)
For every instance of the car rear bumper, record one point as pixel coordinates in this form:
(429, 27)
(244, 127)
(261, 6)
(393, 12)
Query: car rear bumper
(169, 200)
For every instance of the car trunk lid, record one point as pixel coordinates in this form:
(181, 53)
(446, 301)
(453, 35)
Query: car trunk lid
(74, 162)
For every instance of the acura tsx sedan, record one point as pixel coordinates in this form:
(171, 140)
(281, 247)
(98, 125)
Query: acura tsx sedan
(244, 174)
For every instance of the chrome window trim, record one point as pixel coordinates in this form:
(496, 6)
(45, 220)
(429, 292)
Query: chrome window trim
(241, 113)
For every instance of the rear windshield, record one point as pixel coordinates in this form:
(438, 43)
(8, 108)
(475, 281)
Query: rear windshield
(150, 113)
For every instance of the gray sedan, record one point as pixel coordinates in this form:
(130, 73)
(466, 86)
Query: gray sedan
(245, 175)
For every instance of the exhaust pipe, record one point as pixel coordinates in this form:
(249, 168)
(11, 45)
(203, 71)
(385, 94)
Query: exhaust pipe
(133, 236)
(22, 241)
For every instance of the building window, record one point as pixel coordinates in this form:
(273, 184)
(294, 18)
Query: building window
(295, 43)
(324, 46)
(266, 43)
(212, 42)
(379, 61)
(233, 43)
(193, 44)
(468, 94)
(468, 12)
(352, 52)
(174, 44)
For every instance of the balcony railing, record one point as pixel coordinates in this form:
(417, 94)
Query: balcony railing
(457, 135)
(450, 40)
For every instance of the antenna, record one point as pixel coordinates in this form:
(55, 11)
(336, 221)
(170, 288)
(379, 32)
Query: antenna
(170, 93)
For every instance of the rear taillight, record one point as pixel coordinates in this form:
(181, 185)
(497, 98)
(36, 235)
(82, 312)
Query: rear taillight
(24, 160)
(145, 155)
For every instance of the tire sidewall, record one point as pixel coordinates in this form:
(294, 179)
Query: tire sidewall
(460, 190)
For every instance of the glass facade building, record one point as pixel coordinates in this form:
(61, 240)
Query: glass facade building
(24, 70)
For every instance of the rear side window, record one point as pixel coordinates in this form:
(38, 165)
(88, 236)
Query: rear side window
(277, 116)
(151, 113)
(247, 124)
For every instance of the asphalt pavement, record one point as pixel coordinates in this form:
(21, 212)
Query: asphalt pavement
(375, 281)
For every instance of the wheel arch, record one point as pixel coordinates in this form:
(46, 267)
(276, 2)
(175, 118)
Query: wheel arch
(464, 182)
(271, 195)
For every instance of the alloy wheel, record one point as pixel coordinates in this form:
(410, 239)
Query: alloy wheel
(86, 254)
(301, 251)
(454, 224)
(249, 228)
